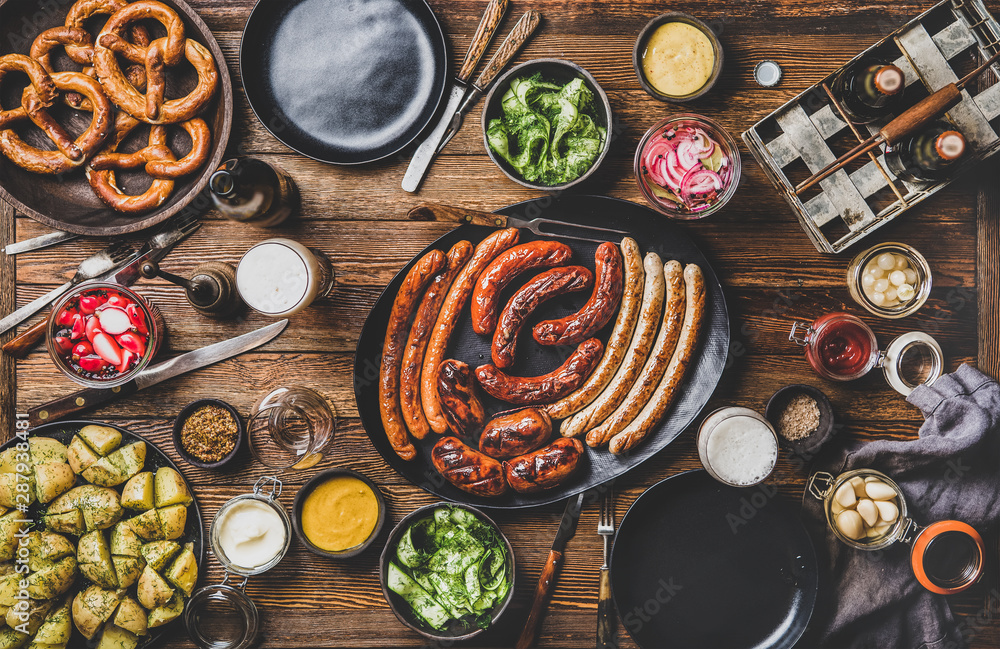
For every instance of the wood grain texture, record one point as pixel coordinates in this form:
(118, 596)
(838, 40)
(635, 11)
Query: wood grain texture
(771, 275)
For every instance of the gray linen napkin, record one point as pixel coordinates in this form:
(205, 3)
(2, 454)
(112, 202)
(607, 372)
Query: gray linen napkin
(951, 472)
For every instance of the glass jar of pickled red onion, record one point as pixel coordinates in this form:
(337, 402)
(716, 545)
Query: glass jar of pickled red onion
(891, 280)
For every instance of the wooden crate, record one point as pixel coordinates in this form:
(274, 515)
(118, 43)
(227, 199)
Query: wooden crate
(809, 132)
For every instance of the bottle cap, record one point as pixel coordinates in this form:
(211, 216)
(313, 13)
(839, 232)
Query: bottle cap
(889, 80)
(950, 145)
(767, 73)
(222, 183)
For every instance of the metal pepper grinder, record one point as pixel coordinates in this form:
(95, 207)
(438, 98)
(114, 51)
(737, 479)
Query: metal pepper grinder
(211, 289)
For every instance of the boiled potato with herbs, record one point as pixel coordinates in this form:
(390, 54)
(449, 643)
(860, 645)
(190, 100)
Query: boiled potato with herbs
(94, 559)
(131, 616)
(99, 506)
(114, 469)
(138, 492)
(115, 637)
(147, 525)
(102, 439)
(93, 607)
(171, 488)
(166, 613)
(11, 524)
(57, 627)
(159, 553)
(153, 590)
(52, 480)
(183, 572)
(172, 521)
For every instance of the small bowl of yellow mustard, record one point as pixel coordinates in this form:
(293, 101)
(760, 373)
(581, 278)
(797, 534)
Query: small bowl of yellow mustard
(338, 513)
(677, 57)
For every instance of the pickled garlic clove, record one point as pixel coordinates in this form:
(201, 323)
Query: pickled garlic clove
(845, 495)
(851, 524)
(868, 511)
(887, 511)
(859, 486)
(878, 490)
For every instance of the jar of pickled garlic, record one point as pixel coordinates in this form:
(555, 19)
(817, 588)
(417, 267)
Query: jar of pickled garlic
(867, 510)
(891, 280)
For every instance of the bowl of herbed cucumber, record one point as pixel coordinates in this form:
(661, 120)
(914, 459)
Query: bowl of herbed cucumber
(447, 571)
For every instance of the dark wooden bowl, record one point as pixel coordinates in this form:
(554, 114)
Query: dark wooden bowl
(179, 426)
(66, 202)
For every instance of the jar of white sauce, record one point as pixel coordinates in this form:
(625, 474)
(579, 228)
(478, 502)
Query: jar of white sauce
(249, 535)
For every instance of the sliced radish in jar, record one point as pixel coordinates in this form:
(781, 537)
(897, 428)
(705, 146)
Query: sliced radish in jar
(65, 318)
(63, 344)
(114, 320)
(127, 358)
(137, 318)
(92, 363)
(93, 327)
(89, 304)
(81, 349)
(79, 327)
(107, 348)
(700, 181)
(132, 342)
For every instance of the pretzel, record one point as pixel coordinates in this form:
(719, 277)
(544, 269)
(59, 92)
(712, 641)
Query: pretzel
(152, 107)
(79, 14)
(103, 181)
(159, 160)
(35, 100)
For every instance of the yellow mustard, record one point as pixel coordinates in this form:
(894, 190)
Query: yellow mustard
(678, 59)
(339, 514)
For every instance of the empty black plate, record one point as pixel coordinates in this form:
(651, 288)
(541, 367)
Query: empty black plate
(699, 564)
(344, 81)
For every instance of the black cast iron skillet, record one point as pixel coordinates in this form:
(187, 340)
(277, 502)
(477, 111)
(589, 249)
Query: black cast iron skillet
(701, 565)
(344, 81)
(653, 233)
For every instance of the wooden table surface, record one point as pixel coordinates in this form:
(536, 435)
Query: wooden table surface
(771, 274)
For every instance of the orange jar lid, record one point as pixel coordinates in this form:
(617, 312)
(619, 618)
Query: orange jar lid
(947, 557)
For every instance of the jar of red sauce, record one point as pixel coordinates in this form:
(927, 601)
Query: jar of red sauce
(840, 347)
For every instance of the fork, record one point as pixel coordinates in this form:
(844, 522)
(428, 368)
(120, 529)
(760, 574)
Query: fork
(438, 212)
(91, 267)
(605, 616)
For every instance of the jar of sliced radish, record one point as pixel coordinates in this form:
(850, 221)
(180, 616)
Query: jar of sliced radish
(102, 334)
(687, 166)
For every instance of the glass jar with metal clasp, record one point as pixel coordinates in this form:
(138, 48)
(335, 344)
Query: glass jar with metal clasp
(866, 510)
(840, 347)
(250, 534)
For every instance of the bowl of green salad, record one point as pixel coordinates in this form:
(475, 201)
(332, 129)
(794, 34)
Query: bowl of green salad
(546, 124)
(447, 571)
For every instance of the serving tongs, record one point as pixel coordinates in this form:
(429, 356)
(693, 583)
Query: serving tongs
(438, 212)
(909, 121)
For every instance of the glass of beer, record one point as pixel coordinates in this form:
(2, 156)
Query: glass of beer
(280, 277)
(289, 427)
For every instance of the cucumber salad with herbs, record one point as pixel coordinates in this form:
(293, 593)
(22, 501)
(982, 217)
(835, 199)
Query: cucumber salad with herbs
(452, 569)
(548, 132)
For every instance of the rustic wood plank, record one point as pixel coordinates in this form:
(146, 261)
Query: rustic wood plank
(8, 302)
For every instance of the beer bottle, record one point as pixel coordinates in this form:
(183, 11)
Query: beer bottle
(928, 156)
(870, 90)
(252, 191)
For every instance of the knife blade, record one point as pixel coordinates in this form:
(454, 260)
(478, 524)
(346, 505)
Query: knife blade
(422, 157)
(127, 274)
(547, 580)
(39, 242)
(511, 45)
(92, 397)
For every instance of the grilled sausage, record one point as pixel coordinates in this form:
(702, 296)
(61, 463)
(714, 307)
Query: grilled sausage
(403, 306)
(447, 319)
(650, 315)
(598, 310)
(545, 286)
(516, 433)
(529, 391)
(544, 468)
(503, 269)
(420, 333)
(618, 341)
(653, 412)
(663, 349)
(459, 402)
(468, 469)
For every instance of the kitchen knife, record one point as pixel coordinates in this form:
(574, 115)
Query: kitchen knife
(153, 250)
(39, 242)
(515, 40)
(547, 580)
(92, 397)
(425, 153)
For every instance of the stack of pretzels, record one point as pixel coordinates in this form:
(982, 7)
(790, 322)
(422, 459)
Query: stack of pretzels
(138, 92)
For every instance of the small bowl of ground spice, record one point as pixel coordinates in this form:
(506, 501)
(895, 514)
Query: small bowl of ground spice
(208, 433)
(803, 418)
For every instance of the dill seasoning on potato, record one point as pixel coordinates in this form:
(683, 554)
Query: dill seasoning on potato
(209, 433)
